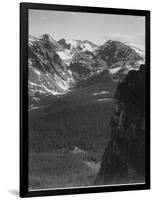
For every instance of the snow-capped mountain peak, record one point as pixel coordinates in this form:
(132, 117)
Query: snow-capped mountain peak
(54, 66)
(81, 45)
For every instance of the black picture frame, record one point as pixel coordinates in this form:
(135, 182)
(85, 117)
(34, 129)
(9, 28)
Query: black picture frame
(24, 7)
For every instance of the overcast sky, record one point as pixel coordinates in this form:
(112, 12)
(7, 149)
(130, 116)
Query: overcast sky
(94, 27)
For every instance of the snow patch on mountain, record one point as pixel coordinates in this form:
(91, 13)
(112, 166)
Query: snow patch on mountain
(129, 67)
(40, 88)
(61, 83)
(37, 72)
(139, 51)
(100, 93)
(73, 43)
(88, 47)
(84, 45)
(65, 56)
(114, 70)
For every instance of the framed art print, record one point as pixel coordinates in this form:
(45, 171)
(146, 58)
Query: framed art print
(84, 99)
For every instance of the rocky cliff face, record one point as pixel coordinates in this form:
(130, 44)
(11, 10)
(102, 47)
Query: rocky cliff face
(48, 74)
(124, 157)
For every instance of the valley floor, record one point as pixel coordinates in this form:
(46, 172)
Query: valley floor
(62, 169)
(68, 138)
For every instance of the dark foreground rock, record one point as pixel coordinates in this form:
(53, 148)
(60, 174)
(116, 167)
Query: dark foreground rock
(124, 157)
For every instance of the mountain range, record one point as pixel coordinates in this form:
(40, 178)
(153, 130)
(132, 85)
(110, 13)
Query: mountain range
(57, 67)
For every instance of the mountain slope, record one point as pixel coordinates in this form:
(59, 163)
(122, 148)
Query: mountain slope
(114, 51)
(56, 67)
(48, 74)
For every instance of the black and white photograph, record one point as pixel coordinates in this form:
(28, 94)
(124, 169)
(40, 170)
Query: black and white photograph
(86, 99)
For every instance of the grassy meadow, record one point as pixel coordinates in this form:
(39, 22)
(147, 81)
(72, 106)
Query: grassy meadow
(67, 138)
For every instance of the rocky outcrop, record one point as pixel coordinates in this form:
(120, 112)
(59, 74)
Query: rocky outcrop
(124, 157)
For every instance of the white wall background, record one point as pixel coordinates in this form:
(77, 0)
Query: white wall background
(9, 98)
